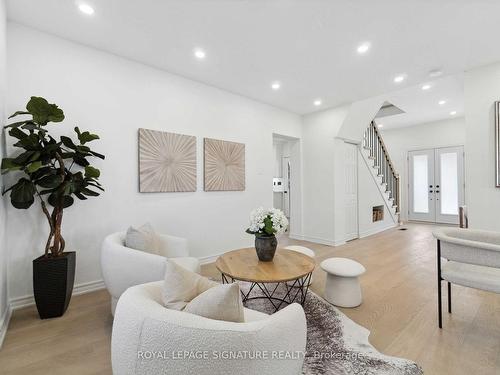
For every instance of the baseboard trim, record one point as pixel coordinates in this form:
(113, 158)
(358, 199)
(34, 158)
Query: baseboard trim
(208, 259)
(322, 241)
(373, 231)
(4, 323)
(82, 288)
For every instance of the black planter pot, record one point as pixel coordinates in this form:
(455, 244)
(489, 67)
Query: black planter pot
(266, 247)
(53, 280)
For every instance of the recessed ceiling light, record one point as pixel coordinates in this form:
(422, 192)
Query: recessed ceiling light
(199, 53)
(276, 85)
(317, 102)
(380, 125)
(453, 113)
(442, 102)
(86, 8)
(426, 87)
(363, 48)
(399, 78)
(435, 73)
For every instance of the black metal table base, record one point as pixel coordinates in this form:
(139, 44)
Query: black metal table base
(298, 288)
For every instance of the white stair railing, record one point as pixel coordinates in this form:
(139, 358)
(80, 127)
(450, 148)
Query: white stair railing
(374, 143)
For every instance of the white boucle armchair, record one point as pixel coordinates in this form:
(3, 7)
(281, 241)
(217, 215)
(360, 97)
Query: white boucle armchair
(473, 260)
(123, 267)
(150, 339)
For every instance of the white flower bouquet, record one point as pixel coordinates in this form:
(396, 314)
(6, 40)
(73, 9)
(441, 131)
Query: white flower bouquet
(266, 223)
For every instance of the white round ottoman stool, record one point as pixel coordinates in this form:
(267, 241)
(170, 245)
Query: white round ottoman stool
(342, 284)
(303, 250)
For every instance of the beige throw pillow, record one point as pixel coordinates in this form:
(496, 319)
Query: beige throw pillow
(181, 286)
(193, 293)
(222, 302)
(143, 238)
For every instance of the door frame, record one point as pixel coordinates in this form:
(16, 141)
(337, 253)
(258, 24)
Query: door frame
(430, 216)
(354, 235)
(409, 177)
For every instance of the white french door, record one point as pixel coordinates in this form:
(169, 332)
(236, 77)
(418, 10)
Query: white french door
(436, 184)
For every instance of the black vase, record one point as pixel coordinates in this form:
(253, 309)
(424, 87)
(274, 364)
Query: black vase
(53, 279)
(266, 247)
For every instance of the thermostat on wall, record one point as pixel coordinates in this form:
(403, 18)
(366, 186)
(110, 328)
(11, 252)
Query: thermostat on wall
(278, 185)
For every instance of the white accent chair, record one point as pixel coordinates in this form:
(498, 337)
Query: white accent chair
(123, 267)
(342, 287)
(473, 260)
(143, 327)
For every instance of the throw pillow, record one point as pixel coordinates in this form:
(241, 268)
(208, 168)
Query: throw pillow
(190, 292)
(181, 286)
(143, 239)
(222, 302)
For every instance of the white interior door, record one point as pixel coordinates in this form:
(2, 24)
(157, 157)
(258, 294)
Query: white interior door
(351, 191)
(449, 179)
(286, 168)
(436, 184)
(421, 184)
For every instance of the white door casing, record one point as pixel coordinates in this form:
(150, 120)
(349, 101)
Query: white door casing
(351, 191)
(436, 184)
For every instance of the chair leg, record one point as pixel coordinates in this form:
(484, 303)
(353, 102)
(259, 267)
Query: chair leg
(440, 312)
(449, 297)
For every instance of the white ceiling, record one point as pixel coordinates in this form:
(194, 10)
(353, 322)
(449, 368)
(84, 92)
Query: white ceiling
(309, 45)
(423, 106)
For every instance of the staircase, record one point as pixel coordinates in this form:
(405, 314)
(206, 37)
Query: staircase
(384, 171)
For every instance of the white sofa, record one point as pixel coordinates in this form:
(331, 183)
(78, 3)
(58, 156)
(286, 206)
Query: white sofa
(151, 339)
(123, 267)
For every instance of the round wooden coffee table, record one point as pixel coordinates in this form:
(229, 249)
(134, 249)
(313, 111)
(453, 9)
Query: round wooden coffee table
(289, 268)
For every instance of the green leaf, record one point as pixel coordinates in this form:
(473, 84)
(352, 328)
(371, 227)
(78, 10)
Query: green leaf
(268, 225)
(23, 194)
(43, 112)
(17, 133)
(89, 192)
(23, 158)
(8, 165)
(80, 160)
(42, 172)
(81, 196)
(91, 172)
(33, 167)
(17, 113)
(68, 142)
(60, 201)
(85, 136)
(97, 155)
(17, 124)
(50, 182)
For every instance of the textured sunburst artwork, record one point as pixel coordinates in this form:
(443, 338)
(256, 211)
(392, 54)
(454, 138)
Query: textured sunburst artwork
(224, 165)
(167, 162)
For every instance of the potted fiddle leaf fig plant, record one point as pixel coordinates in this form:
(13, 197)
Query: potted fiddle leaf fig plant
(52, 171)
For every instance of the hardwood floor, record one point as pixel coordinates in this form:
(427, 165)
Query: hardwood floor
(399, 309)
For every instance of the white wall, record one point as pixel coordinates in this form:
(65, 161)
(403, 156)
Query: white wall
(482, 89)
(399, 141)
(114, 97)
(3, 218)
(318, 183)
(369, 196)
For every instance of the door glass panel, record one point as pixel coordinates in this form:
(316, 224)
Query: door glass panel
(449, 183)
(420, 184)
